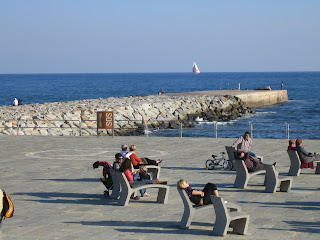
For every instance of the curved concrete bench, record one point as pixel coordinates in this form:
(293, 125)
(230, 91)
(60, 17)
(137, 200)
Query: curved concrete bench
(295, 164)
(153, 170)
(243, 175)
(190, 208)
(127, 190)
(225, 219)
(116, 184)
(230, 152)
(273, 181)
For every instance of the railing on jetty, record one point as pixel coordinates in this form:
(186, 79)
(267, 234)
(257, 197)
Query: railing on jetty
(278, 130)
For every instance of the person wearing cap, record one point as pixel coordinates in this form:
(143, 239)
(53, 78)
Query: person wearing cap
(124, 149)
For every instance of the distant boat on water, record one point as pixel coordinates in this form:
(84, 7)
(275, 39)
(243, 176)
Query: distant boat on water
(195, 68)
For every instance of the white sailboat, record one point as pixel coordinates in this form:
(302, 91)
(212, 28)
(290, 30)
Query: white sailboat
(195, 69)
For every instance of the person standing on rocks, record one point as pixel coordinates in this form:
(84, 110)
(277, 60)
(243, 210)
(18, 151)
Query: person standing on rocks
(15, 102)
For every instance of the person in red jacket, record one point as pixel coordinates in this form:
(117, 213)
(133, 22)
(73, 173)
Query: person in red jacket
(136, 161)
(292, 145)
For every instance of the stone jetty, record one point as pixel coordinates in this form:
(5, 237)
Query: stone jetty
(132, 114)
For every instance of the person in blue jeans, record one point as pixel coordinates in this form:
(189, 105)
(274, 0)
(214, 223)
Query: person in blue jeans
(126, 167)
(244, 143)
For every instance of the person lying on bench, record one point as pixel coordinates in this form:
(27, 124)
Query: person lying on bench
(252, 163)
(196, 196)
(136, 161)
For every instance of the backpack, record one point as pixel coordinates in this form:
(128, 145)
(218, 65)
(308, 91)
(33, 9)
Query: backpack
(6, 205)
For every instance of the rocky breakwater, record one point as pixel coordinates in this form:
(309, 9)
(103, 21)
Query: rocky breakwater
(131, 114)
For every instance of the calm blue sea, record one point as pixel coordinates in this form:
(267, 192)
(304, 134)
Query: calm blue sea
(303, 88)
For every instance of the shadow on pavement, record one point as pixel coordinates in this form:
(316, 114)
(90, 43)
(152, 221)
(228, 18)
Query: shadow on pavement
(164, 227)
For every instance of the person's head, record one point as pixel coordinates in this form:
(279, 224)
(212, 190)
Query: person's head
(133, 148)
(124, 147)
(125, 165)
(239, 154)
(292, 142)
(182, 184)
(143, 169)
(118, 157)
(299, 142)
(246, 135)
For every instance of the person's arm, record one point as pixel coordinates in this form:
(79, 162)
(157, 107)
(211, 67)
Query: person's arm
(237, 142)
(305, 152)
(196, 192)
(250, 144)
(135, 157)
(129, 175)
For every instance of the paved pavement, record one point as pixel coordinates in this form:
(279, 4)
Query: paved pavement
(57, 194)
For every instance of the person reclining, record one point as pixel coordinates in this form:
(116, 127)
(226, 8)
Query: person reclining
(136, 161)
(196, 196)
(252, 163)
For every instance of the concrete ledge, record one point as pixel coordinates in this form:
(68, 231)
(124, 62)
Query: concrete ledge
(253, 98)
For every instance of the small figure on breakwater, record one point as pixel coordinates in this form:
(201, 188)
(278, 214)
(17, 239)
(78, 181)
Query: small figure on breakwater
(238, 85)
(282, 85)
(19, 102)
(161, 91)
(15, 102)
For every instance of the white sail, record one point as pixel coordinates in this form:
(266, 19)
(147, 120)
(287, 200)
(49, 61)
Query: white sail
(195, 68)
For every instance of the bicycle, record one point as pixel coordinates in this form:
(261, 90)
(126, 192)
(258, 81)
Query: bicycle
(211, 163)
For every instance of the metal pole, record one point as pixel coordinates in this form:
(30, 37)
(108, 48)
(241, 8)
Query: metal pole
(251, 129)
(288, 131)
(215, 129)
(18, 128)
(80, 126)
(113, 127)
(180, 129)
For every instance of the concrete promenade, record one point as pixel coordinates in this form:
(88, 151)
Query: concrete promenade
(58, 195)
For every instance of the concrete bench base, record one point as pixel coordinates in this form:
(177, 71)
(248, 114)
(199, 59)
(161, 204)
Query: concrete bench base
(190, 209)
(238, 221)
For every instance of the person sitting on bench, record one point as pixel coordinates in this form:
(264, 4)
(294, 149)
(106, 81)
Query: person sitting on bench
(252, 163)
(306, 157)
(292, 145)
(196, 196)
(136, 161)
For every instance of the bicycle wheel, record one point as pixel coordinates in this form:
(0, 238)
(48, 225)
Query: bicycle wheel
(227, 165)
(209, 164)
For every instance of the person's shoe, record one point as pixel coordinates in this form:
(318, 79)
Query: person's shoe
(146, 195)
(156, 181)
(135, 198)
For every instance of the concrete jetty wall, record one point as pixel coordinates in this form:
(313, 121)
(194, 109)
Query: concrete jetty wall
(253, 98)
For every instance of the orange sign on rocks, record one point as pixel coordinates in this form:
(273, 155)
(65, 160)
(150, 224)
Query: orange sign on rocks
(105, 120)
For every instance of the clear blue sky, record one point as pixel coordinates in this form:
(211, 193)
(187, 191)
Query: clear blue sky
(102, 36)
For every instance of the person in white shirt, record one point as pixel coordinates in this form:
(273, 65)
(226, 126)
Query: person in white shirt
(124, 149)
(15, 102)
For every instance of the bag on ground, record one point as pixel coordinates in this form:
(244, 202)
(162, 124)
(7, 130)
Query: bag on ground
(6, 205)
